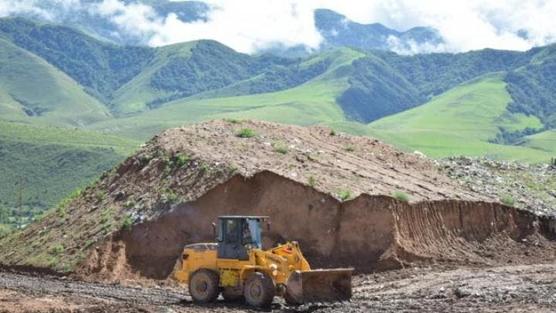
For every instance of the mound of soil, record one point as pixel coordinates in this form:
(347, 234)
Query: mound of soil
(331, 192)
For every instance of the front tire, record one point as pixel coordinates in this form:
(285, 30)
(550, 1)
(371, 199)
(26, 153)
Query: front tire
(203, 286)
(259, 290)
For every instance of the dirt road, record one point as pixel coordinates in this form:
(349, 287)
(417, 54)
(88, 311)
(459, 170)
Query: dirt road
(529, 288)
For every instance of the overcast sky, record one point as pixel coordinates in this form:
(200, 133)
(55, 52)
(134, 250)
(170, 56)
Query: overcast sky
(247, 25)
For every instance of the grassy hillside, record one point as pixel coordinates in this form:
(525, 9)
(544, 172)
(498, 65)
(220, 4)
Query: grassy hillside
(33, 90)
(312, 102)
(544, 141)
(98, 66)
(137, 93)
(462, 121)
(46, 163)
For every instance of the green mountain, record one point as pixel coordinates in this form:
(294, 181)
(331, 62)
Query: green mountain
(98, 66)
(462, 121)
(32, 89)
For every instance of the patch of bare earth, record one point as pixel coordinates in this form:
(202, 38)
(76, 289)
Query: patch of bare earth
(523, 288)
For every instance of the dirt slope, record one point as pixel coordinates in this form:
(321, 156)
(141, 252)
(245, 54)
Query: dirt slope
(331, 192)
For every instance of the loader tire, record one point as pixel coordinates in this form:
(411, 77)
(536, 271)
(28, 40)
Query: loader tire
(203, 286)
(259, 290)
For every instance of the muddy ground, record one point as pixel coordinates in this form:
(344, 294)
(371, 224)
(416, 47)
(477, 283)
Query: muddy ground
(523, 288)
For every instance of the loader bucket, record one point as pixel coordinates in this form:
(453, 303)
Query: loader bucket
(322, 285)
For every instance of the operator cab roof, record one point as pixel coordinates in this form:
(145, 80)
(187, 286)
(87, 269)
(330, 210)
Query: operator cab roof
(258, 217)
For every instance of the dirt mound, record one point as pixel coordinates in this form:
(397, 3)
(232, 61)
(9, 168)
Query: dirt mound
(369, 232)
(331, 192)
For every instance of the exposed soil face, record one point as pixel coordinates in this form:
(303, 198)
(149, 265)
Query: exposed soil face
(369, 233)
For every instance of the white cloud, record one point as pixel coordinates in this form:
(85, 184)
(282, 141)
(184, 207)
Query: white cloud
(248, 25)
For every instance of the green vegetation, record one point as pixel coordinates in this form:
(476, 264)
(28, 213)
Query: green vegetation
(33, 90)
(127, 224)
(401, 196)
(312, 181)
(533, 87)
(41, 165)
(280, 147)
(181, 160)
(344, 195)
(57, 249)
(169, 196)
(543, 141)
(98, 66)
(507, 200)
(246, 133)
(462, 121)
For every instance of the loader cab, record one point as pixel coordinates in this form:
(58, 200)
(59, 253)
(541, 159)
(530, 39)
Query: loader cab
(237, 234)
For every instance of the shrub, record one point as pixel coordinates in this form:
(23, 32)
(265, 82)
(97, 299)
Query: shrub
(232, 120)
(507, 200)
(332, 132)
(312, 181)
(232, 168)
(344, 195)
(106, 216)
(181, 160)
(100, 195)
(57, 249)
(204, 168)
(169, 196)
(61, 210)
(246, 133)
(280, 147)
(349, 148)
(67, 200)
(401, 196)
(127, 223)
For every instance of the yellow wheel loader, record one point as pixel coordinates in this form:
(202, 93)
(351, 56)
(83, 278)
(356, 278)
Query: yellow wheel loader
(238, 267)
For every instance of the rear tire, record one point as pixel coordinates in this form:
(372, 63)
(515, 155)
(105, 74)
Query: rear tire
(203, 286)
(259, 290)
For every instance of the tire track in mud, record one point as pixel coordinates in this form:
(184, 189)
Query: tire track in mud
(40, 285)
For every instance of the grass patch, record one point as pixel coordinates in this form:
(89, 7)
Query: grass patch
(180, 160)
(246, 133)
(507, 200)
(57, 249)
(401, 196)
(280, 147)
(169, 196)
(349, 148)
(344, 195)
(127, 224)
(311, 181)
